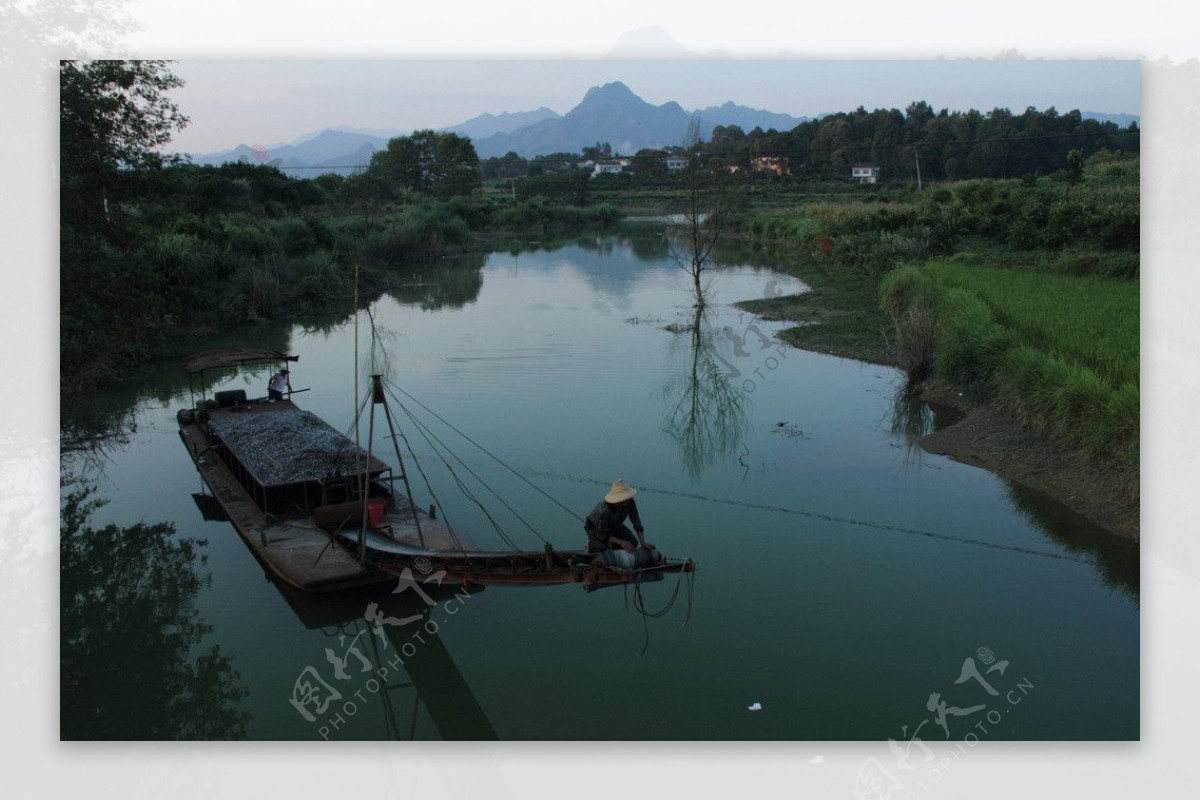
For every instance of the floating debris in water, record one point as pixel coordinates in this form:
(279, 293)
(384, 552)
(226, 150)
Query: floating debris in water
(789, 430)
(643, 320)
(755, 707)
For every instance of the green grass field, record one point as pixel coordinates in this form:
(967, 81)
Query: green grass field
(1060, 351)
(1091, 320)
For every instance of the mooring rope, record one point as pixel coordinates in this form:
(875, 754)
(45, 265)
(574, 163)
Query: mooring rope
(639, 602)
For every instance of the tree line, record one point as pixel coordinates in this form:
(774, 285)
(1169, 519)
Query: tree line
(946, 145)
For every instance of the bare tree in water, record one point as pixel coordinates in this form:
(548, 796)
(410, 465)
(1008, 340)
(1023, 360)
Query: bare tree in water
(709, 197)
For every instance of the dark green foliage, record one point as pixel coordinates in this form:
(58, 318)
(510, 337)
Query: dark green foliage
(951, 145)
(113, 116)
(539, 214)
(505, 167)
(133, 665)
(442, 164)
(569, 187)
(1075, 165)
(970, 342)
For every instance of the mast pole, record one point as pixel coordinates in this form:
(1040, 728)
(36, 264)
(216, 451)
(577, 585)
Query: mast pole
(412, 503)
(362, 532)
(366, 476)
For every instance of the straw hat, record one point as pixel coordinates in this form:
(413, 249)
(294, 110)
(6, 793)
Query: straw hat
(620, 492)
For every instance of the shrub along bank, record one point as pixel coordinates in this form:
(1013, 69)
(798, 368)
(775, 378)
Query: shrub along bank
(1020, 291)
(1059, 351)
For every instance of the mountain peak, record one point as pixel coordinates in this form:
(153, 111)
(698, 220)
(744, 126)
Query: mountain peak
(649, 42)
(609, 91)
(613, 113)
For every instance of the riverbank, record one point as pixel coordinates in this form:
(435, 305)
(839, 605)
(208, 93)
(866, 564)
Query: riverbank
(841, 317)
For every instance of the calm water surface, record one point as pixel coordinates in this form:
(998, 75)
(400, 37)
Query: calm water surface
(845, 576)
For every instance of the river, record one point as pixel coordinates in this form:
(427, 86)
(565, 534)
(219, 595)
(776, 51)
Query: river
(850, 586)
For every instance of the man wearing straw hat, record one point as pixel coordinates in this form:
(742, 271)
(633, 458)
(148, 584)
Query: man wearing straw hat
(605, 524)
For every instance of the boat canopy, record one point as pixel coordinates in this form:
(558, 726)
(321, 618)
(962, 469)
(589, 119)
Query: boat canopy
(230, 357)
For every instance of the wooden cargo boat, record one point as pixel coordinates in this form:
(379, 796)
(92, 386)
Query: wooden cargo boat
(323, 514)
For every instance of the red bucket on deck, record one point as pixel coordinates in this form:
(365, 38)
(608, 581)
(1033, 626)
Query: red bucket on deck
(376, 513)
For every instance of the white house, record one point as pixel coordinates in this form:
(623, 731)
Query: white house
(864, 173)
(676, 163)
(611, 166)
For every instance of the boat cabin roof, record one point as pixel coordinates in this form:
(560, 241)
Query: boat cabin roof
(280, 444)
(230, 357)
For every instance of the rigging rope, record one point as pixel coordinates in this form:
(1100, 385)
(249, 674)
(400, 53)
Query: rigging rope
(335, 458)
(498, 460)
(428, 432)
(421, 429)
(429, 488)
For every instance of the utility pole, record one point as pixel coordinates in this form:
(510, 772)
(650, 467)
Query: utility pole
(918, 158)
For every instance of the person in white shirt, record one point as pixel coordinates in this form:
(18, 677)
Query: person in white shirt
(280, 383)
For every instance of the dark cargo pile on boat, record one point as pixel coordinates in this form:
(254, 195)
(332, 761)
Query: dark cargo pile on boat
(288, 446)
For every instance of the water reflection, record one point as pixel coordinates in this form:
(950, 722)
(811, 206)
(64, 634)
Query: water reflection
(371, 629)
(912, 418)
(449, 284)
(93, 424)
(706, 413)
(1118, 560)
(132, 664)
(839, 486)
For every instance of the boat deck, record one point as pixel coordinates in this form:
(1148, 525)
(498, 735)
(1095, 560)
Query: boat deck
(314, 544)
(295, 550)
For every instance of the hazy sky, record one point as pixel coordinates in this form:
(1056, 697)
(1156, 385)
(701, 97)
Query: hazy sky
(302, 29)
(271, 102)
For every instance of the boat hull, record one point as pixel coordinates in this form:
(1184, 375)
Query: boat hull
(332, 547)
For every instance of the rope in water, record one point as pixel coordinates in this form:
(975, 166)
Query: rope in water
(828, 518)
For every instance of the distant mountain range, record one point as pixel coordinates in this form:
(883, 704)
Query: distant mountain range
(613, 113)
(486, 125)
(610, 113)
(330, 150)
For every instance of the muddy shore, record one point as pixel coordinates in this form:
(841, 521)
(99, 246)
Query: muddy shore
(990, 438)
(985, 436)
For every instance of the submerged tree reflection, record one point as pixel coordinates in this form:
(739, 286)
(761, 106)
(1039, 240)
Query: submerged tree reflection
(707, 414)
(132, 665)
